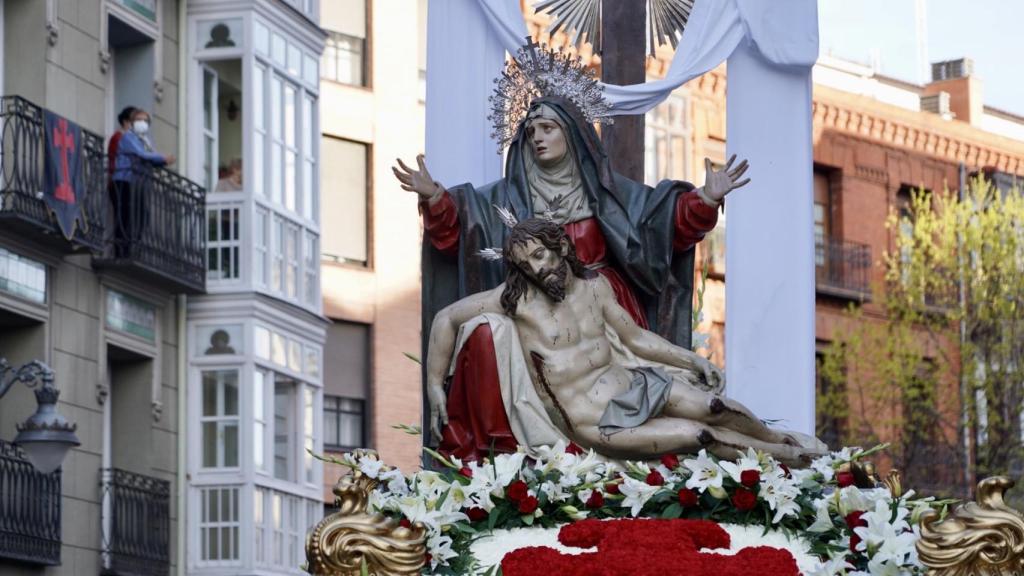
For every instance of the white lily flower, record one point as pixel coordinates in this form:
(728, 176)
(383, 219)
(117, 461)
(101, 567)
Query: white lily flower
(636, 493)
(831, 567)
(705, 473)
(370, 467)
(822, 517)
(440, 548)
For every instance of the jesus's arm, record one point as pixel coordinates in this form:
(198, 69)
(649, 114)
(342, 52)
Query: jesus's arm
(443, 331)
(648, 345)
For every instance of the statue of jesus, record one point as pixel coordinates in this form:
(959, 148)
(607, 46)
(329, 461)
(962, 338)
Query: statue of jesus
(563, 314)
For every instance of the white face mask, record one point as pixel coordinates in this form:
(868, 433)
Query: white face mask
(140, 126)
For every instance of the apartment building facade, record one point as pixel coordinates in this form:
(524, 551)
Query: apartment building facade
(255, 339)
(95, 293)
(372, 113)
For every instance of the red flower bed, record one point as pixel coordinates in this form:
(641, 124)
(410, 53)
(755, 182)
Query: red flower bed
(639, 547)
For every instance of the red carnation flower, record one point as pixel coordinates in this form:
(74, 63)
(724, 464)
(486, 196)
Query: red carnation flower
(596, 500)
(574, 448)
(671, 461)
(744, 499)
(466, 471)
(844, 479)
(855, 519)
(687, 498)
(854, 540)
(476, 514)
(612, 488)
(516, 491)
(750, 478)
(528, 504)
(655, 478)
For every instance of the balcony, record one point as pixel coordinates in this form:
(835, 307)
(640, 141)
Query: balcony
(842, 268)
(29, 510)
(163, 213)
(136, 524)
(157, 229)
(23, 211)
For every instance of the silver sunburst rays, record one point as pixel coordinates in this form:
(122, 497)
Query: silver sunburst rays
(538, 71)
(666, 20)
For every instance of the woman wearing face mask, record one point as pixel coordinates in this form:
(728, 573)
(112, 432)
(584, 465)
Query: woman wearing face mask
(135, 157)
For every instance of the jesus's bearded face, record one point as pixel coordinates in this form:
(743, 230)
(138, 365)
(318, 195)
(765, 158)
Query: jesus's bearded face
(544, 266)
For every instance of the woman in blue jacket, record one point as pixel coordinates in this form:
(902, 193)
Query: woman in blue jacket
(135, 158)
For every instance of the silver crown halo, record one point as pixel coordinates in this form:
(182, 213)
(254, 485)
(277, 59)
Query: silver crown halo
(538, 71)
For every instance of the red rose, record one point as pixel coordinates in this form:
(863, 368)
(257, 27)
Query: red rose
(855, 519)
(844, 479)
(404, 523)
(744, 499)
(596, 500)
(516, 491)
(655, 478)
(466, 471)
(476, 514)
(671, 461)
(687, 498)
(574, 448)
(750, 478)
(854, 540)
(528, 504)
(612, 488)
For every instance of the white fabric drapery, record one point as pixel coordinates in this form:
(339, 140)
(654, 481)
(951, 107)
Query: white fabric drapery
(771, 46)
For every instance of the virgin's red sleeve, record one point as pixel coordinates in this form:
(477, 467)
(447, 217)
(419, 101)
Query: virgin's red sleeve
(694, 219)
(441, 224)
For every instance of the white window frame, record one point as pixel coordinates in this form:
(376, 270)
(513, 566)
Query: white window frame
(234, 245)
(203, 524)
(221, 419)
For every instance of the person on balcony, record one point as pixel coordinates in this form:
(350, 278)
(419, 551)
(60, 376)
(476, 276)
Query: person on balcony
(124, 123)
(135, 157)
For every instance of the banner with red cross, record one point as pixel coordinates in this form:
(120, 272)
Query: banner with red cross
(63, 186)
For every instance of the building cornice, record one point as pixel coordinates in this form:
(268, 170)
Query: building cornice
(919, 132)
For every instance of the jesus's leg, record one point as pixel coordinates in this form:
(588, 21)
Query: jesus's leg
(690, 403)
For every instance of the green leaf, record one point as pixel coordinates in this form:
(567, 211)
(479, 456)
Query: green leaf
(527, 519)
(673, 510)
(412, 357)
(364, 570)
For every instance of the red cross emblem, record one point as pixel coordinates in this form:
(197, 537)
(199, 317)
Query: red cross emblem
(65, 142)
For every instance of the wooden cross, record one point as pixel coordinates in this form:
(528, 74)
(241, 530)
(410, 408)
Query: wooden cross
(624, 61)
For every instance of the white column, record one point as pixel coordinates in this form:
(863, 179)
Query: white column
(769, 334)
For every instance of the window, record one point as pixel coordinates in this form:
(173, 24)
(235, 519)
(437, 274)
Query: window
(259, 428)
(259, 127)
(284, 429)
(344, 423)
(421, 53)
(277, 254)
(312, 267)
(831, 398)
(22, 277)
(219, 419)
(222, 244)
(218, 525)
(665, 135)
(345, 58)
(291, 261)
(259, 241)
(222, 124)
(308, 440)
(345, 194)
(309, 159)
(822, 216)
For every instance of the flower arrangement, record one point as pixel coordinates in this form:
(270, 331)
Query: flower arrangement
(853, 531)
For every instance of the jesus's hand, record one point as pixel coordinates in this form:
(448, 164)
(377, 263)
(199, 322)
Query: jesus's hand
(719, 183)
(438, 410)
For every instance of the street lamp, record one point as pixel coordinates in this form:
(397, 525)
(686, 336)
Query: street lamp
(46, 436)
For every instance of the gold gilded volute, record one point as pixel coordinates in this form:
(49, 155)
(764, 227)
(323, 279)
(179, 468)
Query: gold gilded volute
(340, 544)
(983, 538)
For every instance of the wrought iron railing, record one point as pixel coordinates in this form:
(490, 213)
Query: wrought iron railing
(22, 176)
(842, 268)
(136, 524)
(29, 510)
(157, 222)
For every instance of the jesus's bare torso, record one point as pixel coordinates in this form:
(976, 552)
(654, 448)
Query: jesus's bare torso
(569, 354)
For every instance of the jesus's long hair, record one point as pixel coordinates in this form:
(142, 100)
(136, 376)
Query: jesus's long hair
(551, 236)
